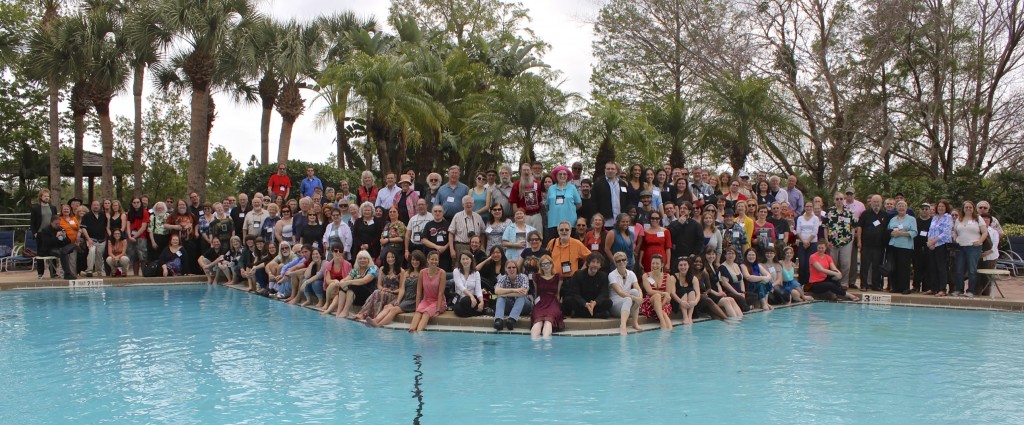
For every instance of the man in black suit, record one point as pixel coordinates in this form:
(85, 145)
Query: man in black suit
(612, 195)
(39, 218)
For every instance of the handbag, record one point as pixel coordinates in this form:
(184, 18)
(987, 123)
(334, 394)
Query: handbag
(886, 267)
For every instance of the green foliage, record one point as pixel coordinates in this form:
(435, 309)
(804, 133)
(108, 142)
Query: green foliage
(255, 178)
(1002, 190)
(164, 151)
(22, 142)
(223, 174)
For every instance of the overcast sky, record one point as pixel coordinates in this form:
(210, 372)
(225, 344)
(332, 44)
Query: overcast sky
(560, 23)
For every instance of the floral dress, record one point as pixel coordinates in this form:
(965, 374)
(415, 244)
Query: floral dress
(647, 308)
(381, 297)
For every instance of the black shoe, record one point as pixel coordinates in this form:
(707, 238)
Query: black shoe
(488, 311)
(510, 323)
(498, 324)
(907, 292)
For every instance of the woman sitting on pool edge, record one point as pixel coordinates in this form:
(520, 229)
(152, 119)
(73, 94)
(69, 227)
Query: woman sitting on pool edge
(430, 300)
(825, 276)
(405, 301)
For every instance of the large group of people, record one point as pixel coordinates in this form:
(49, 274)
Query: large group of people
(632, 241)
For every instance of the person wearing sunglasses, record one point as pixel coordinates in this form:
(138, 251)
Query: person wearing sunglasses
(839, 225)
(481, 196)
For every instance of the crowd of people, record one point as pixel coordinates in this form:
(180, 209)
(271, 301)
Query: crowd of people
(633, 241)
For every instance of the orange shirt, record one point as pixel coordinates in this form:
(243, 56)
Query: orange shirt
(70, 226)
(567, 257)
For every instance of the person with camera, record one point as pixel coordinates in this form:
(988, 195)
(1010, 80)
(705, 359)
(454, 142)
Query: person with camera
(465, 224)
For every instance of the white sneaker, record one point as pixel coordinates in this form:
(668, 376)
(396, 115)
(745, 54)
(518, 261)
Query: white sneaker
(969, 295)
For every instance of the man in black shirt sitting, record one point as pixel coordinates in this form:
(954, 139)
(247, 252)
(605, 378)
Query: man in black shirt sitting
(53, 241)
(585, 294)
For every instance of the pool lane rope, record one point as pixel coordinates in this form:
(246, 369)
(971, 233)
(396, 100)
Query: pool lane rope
(417, 392)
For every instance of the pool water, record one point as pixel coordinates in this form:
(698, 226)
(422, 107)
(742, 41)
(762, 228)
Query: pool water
(210, 355)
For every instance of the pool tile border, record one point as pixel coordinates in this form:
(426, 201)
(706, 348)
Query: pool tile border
(448, 322)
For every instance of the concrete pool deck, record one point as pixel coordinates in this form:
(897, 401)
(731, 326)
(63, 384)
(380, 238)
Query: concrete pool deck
(1012, 287)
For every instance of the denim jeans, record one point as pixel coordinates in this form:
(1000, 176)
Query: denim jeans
(315, 288)
(966, 260)
(517, 307)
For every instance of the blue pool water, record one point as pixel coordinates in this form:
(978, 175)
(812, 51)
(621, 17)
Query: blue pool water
(209, 355)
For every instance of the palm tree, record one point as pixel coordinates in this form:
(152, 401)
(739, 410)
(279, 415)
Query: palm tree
(253, 53)
(745, 113)
(47, 62)
(394, 98)
(202, 28)
(103, 45)
(617, 129)
(79, 103)
(337, 30)
(675, 123)
(299, 54)
(144, 39)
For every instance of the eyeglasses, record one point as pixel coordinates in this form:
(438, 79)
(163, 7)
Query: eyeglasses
(534, 240)
(479, 177)
(982, 208)
(545, 264)
(336, 250)
(563, 230)
(343, 206)
(496, 209)
(619, 261)
(838, 199)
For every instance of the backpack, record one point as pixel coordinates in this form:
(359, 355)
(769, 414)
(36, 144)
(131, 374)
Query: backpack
(152, 269)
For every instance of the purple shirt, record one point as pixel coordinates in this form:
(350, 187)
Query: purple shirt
(795, 199)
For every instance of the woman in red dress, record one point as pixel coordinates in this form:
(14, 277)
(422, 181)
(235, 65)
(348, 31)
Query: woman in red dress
(547, 312)
(658, 286)
(656, 240)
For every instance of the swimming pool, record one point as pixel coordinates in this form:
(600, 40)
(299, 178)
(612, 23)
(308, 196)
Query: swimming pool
(210, 355)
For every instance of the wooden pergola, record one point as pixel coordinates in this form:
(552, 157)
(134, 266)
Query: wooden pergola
(92, 168)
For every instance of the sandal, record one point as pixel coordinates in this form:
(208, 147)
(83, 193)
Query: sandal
(928, 293)
(940, 294)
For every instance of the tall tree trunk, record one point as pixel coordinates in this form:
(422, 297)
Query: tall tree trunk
(341, 138)
(290, 105)
(676, 157)
(268, 88)
(284, 143)
(268, 111)
(605, 154)
(54, 97)
(107, 142)
(199, 140)
(79, 119)
(137, 82)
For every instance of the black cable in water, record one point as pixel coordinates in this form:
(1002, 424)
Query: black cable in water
(417, 392)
